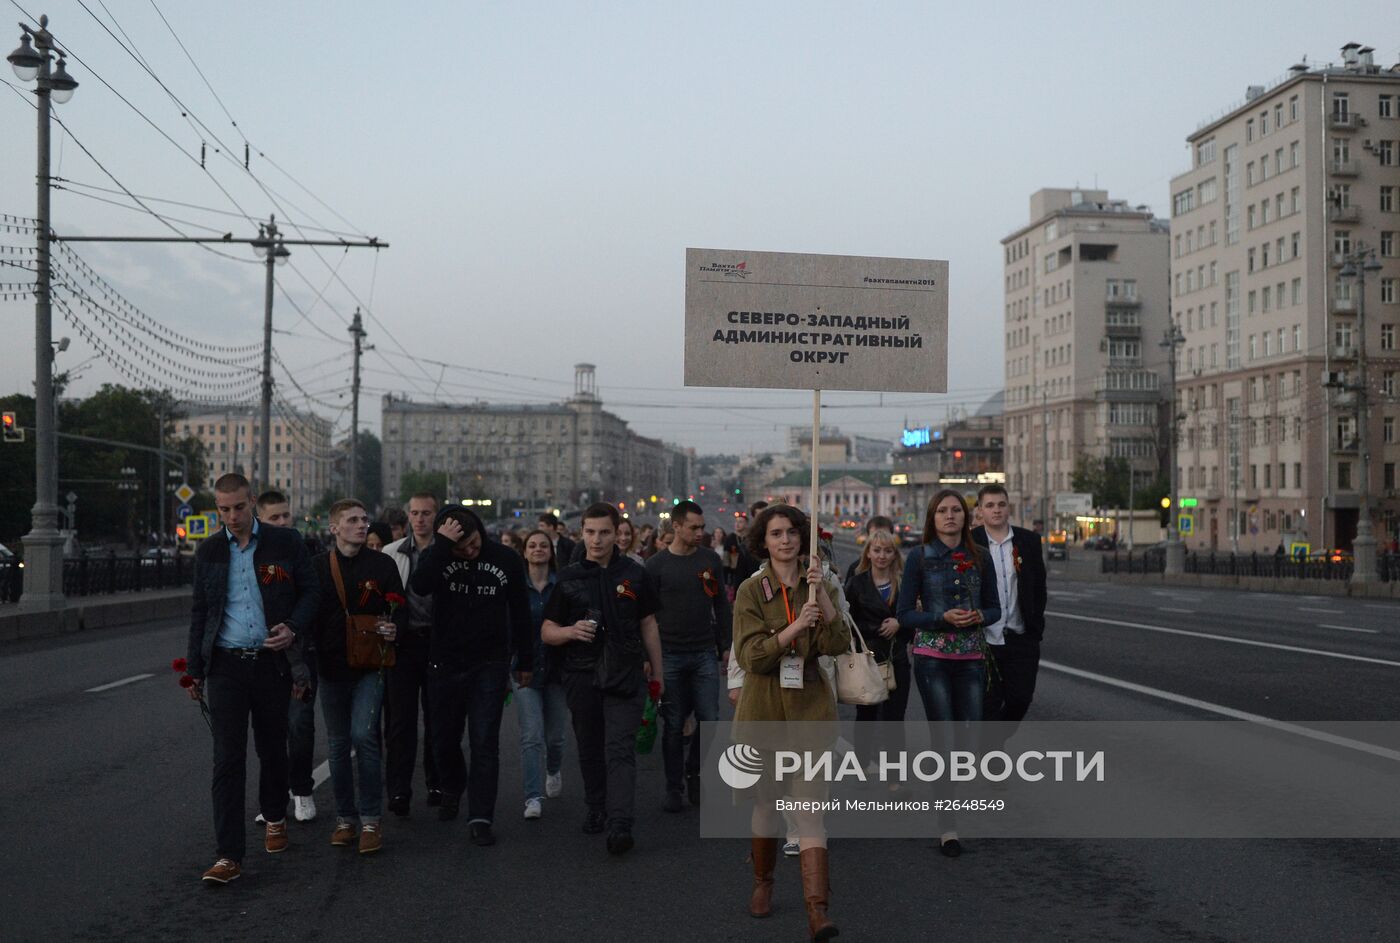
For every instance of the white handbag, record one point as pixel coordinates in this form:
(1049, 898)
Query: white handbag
(858, 678)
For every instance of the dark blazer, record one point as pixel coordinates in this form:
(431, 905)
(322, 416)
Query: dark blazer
(869, 610)
(1030, 579)
(289, 594)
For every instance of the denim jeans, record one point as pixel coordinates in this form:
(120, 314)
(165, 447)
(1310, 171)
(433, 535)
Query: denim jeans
(692, 686)
(470, 700)
(350, 710)
(951, 688)
(543, 714)
(605, 728)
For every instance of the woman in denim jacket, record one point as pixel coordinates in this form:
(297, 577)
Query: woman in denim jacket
(947, 593)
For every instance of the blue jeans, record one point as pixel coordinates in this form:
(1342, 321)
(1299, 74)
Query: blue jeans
(544, 719)
(350, 710)
(951, 688)
(692, 686)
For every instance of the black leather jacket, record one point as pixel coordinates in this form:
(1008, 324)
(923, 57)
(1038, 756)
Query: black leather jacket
(869, 610)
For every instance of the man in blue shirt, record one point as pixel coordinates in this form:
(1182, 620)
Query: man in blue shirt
(255, 594)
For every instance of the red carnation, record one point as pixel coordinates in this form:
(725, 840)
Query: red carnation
(186, 681)
(179, 664)
(654, 690)
(395, 599)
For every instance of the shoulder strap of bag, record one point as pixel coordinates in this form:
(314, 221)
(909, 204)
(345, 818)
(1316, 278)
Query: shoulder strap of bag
(339, 581)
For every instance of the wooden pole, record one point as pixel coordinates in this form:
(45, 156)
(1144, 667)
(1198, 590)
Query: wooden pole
(814, 523)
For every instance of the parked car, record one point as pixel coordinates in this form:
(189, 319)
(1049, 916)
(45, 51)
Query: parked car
(1057, 545)
(164, 554)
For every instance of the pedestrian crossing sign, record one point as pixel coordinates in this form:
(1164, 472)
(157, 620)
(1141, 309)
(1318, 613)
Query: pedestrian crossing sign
(197, 526)
(1184, 524)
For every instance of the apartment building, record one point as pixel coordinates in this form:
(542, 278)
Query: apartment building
(1285, 188)
(300, 450)
(1086, 304)
(531, 456)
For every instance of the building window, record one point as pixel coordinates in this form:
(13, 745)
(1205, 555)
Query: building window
(1249, 130)
(1344, 476)
(1232, 195)
(1232, 320)
(1387, 337)
(1293, 152)
(1388, 433)
(1341, 241)
(1385, 153)
(1385, 106)
(1293, 108)
(1205, 152)
(1388, 291)
(1387, 244)
(1341, 106)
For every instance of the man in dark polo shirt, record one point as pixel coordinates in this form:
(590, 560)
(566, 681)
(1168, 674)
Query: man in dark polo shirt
(694, 622)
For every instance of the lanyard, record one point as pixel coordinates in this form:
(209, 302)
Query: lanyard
(786, 606)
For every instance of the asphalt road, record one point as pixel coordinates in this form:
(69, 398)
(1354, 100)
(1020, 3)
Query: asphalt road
(108, 824)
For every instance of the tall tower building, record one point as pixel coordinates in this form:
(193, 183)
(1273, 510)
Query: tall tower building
(1284, 188)
(1086, 289)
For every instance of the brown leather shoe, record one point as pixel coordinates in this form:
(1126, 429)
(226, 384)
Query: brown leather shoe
(816, 888)
(276, 839)
(224, 870)
(765, 856)
(371, 840)
(343, 835)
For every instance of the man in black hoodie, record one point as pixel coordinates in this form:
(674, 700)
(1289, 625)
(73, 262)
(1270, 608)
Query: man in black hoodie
(481, 616)
(603, 614)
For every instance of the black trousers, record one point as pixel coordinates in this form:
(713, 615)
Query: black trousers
(239, 690)
(1013, 670)
(891, 709)
(470, 700)
(408, 689)
(301, 735)
(606, 730)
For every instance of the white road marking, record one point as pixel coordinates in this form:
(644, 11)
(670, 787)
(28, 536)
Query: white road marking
(116, 684)
(1227, 638)
(1220, 709)
(1173, 609)
(1329, 612)
(1348, 628)
(1371, 605)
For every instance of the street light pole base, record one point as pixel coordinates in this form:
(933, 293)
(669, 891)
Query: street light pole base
(1363, 568)
(1175, 558)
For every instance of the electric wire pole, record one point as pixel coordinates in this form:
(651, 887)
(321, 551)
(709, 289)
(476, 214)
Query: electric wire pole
(357, 331)
(1176, 551)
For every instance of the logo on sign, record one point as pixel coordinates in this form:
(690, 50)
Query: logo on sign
(736, 270)
(740, 766)
(913, 438)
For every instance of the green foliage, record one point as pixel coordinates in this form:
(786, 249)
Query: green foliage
(434, 482)
(1107, 480)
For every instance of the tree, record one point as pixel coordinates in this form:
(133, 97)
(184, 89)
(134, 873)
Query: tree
(434, 482)
(1104, 478)
(369, 475)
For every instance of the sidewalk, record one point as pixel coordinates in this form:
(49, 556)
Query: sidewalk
(94, 612)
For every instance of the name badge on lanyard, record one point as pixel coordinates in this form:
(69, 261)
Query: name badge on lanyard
(790, 668)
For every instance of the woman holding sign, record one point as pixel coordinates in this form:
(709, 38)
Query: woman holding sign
(948, 592)
(779, 633)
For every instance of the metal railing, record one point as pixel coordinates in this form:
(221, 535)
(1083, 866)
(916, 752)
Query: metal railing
(1264, 565)
(101, 576)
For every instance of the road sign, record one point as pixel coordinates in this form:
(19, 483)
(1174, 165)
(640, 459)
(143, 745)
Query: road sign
(198, 527)
(184, 493)
(183, 511)
(1073, 502)
(1185, 523)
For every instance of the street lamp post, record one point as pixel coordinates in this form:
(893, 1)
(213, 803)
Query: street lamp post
(1363, 547)
(1176, 551)
(43, 545)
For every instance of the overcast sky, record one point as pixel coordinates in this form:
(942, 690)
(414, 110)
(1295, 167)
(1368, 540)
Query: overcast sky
(539, 169)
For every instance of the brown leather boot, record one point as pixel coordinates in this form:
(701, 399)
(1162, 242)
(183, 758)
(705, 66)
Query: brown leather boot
(816, 888)
(765, 857)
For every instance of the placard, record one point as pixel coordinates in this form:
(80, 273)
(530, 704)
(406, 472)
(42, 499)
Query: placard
(781, 320)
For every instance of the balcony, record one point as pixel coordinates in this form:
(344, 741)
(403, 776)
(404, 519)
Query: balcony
(1345, 168)
(1123, 331)
(1339, 259)
(1343, 306)
(1349, 121)
(1347, 446)
(1128, 386)
(1343, 352)
(1343, 214)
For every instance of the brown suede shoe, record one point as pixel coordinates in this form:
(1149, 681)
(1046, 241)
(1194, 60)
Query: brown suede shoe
(371, 839)
(224, 870)
(343, 835)
(276, 839)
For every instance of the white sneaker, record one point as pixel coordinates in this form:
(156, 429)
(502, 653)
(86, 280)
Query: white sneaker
(533, 808)
(792, 849)
(259, 820)
(553, 785)
(304, 808)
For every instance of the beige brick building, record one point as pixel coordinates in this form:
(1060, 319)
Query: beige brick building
(1086, 303)
(1282, 187)
(532, 456)
(300, 448)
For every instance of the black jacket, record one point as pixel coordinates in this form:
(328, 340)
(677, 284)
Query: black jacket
(1030, 578)
(481, 610)
(369, 576)
(869, 610)
(624, 595)
(286, 581)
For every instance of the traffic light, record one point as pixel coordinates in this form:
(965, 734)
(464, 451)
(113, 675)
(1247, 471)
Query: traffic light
(1166, 515)
(13, 433)
(179, 531)
(737, 492)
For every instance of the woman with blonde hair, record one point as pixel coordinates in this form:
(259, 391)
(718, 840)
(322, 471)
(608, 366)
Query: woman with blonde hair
(873, 592)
